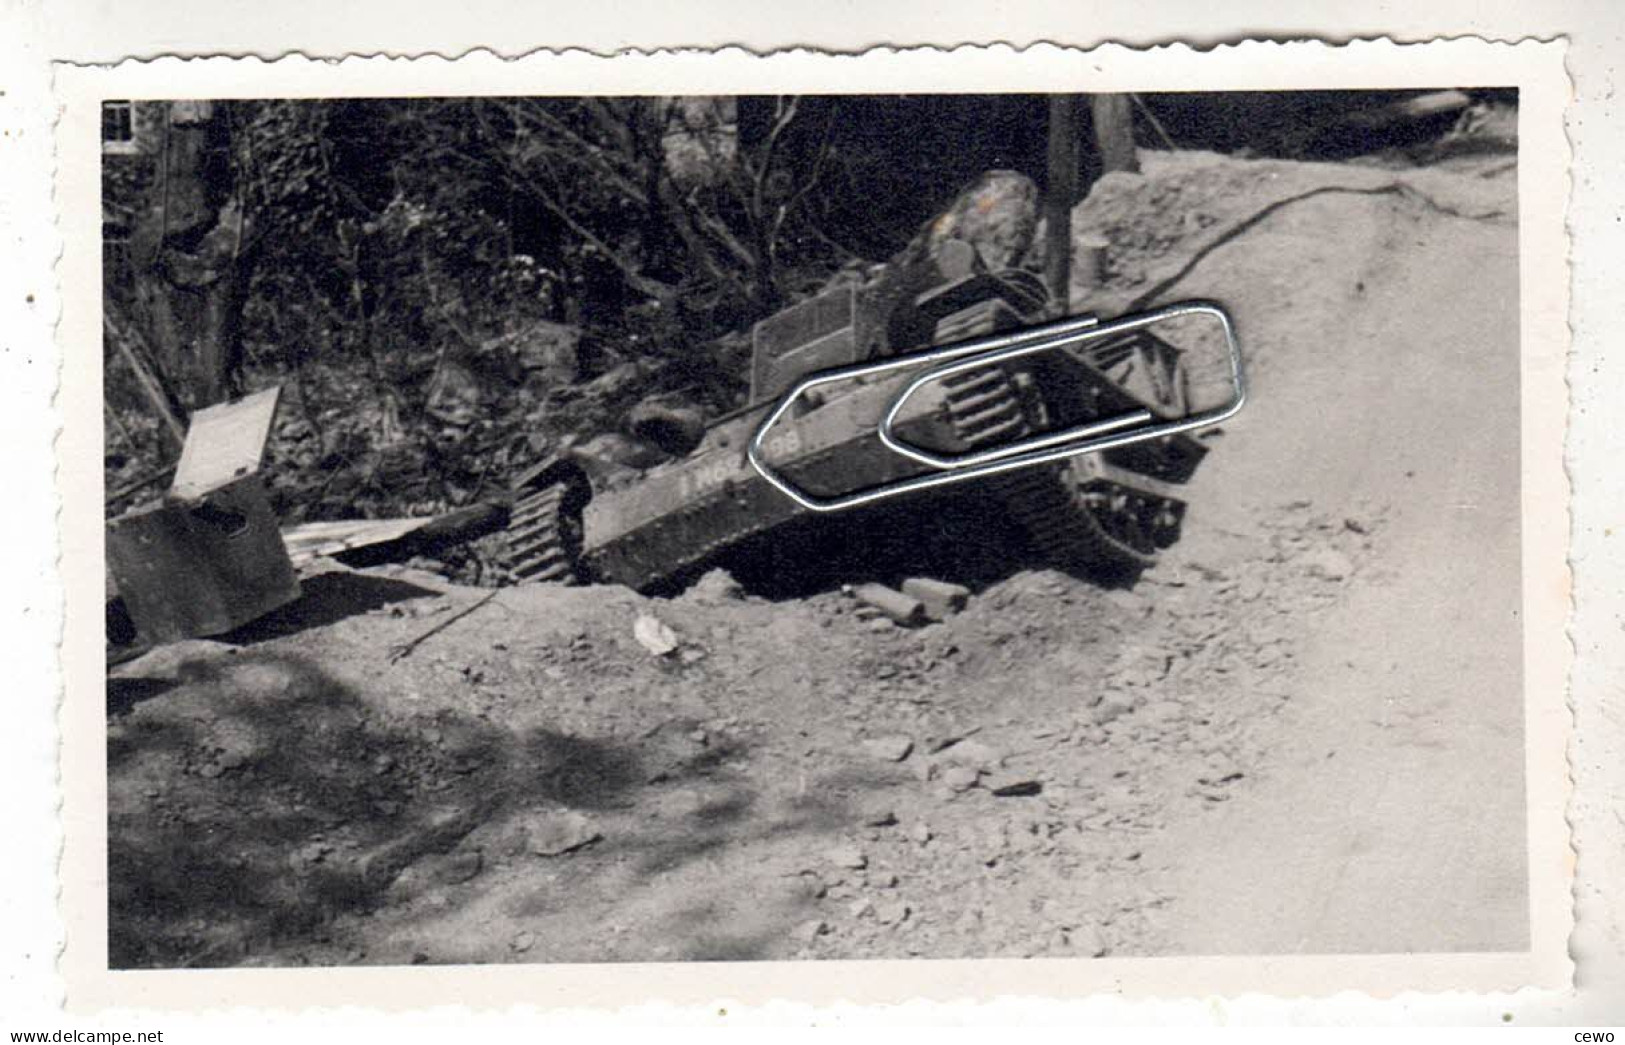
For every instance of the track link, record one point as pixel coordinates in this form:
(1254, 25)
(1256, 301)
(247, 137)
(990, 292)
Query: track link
(544, 537)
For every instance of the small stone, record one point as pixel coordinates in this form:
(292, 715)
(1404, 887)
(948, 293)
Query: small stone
(1328, 564)
(889, 749)
(973, 753)
(1114, 706)
(888, 880)
(961, 778)
(561, 832)
(920, 833)
(847, 856)
(460, 867)
(940, 599)
(210, 771)
(1087, 940)
(900, 608)
(880, 817)
(523, 942)
(879, 624)
(1012, 785)
(1219, 774)
(809, 931)
(717, 586)
(861, 907)
(654, 635)
(891, 912)
(936, 744)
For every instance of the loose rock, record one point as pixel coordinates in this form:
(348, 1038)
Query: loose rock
(1011, 785)
(561, 832)
(653, 635)
(902, 609)
(1111, 708)
(717, 586)
(891, 912)
(1328, 564)
(1087, 940)
(940, 599)
(974, 754)
(879, 817)
(847, 856)
(889, 749)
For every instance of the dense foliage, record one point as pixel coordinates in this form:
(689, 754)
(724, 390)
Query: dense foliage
(400, 260)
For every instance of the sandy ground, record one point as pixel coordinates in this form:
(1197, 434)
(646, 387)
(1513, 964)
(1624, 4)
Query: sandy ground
(1391, 818)
(1300, 733)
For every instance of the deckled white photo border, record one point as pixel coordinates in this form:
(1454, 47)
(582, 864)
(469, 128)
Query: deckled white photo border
(1535, 68)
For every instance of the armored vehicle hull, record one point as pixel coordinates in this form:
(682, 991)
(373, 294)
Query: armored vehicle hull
(1106, 514)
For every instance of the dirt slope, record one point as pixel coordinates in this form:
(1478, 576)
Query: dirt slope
(1300, 732)
(1391, 817)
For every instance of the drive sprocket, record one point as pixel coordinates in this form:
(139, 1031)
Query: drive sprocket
(544, 536)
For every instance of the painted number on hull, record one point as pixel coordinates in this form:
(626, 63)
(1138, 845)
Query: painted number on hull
(719, 469)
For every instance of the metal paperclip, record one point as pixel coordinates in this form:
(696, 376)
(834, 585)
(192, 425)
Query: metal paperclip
(1035, 450)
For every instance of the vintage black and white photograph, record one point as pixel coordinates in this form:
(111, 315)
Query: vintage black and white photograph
(489, 581)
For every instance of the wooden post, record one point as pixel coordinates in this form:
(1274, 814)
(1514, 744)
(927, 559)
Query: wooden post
(1059, 196)
(1114, 132)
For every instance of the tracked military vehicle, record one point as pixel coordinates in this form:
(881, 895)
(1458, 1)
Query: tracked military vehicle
(1107, 514)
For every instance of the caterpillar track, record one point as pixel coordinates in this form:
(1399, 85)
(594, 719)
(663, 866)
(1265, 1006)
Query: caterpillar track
(1080, 514)
(544, 536)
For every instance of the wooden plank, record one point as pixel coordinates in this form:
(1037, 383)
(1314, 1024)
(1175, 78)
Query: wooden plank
(368, 542)
(309, 541)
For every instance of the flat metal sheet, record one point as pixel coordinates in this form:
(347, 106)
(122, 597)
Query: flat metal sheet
(224, 444)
